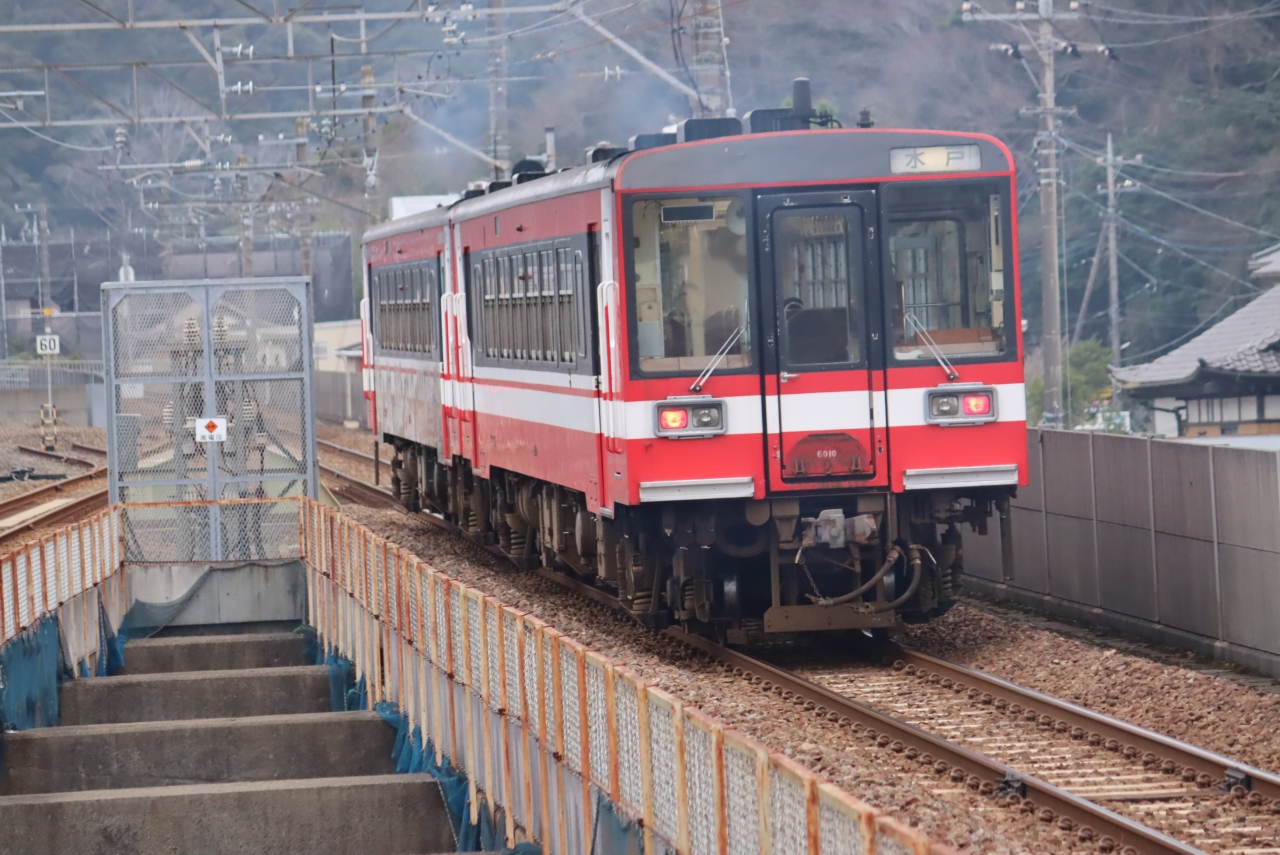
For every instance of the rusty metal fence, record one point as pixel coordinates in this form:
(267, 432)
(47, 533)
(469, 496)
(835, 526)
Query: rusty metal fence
(540, 724)
(1178, 542)
(41, 576)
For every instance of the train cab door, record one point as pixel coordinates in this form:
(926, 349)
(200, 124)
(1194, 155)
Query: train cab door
(824, 372)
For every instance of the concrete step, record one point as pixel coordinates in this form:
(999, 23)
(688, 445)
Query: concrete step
(195, 694)
(212, 653)
(371, 815)
(199, 751)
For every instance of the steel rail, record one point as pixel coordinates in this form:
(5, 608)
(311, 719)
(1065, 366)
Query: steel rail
(69, 512)
(65, 458)
(961, 765)
(362, 491)
(1132, 741)
(21, 500)
(342, 449)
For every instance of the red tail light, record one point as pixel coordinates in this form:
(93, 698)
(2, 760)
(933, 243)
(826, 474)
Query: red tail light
(673, 419)
(976, 405)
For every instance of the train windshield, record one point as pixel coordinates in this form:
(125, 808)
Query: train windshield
(946, 277)
(690, 283)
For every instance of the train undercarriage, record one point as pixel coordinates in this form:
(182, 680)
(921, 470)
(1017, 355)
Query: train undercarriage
(737, 570)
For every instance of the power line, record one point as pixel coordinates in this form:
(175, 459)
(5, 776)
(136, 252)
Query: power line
(34, 132)
(1170, 345)
(1141, 232)
(1206, 211)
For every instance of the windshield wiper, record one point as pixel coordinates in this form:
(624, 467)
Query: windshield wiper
(924, 336)
(719, 357)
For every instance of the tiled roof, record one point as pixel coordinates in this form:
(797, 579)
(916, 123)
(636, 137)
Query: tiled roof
(1246, 341)
(1265, 265)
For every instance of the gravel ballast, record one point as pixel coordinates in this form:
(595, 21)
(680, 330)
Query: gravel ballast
(1197, 707)
(14, 434)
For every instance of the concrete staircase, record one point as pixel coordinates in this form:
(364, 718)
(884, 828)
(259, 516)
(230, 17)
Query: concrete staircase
(213, 745)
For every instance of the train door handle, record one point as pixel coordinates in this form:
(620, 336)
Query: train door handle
(784, 376)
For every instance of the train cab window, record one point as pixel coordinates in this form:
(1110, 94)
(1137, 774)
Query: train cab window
(946, 270)
(690, 283)
(819, 279)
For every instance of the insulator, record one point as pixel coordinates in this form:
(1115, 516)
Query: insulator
(191, 331)
(220, 329)
(249, 409)
(166, 416)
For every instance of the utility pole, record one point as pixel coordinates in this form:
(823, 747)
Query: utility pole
(1113, 307)
(48, 414)
(1046, 46)
(499, 119)
(1113, 217)
(711, 60)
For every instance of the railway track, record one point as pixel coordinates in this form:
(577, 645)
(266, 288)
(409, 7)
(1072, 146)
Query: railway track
(75, 507)
(1194, 796)
(57, 455)
(1120, 787)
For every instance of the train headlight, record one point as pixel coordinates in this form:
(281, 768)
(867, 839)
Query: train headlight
(943, 406)
(706, 417)
(960, 404)
(689, 418)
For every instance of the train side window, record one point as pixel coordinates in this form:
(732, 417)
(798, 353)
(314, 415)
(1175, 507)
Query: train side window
(565, 306)
(532, 291)
(504, 305)
(394, 300)
(583, 313)
(415, 297)
(519, 327)
(428, 306)
(548, 316)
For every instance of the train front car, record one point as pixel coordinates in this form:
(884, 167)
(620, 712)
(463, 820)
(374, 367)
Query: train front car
(811, 376)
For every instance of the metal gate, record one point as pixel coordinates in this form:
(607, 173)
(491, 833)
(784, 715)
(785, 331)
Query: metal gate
(209, 398)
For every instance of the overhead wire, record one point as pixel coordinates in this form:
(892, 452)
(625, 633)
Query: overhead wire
(31, 130)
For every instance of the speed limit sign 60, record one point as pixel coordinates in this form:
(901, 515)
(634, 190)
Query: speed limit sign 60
(48, 345)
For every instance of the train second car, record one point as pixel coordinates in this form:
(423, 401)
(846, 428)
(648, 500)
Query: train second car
(756, 384)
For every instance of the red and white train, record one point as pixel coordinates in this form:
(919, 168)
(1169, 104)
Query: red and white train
(756, 383)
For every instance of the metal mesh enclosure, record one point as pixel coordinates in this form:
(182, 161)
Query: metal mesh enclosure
(182, 354)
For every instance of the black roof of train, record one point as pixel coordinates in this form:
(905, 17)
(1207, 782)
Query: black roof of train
(789, 157)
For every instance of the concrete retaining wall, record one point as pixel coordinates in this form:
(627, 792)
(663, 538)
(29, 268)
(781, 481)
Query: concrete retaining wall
(232, 592)
(1175, 542)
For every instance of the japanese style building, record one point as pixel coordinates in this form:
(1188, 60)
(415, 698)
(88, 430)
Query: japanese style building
(1226, 380)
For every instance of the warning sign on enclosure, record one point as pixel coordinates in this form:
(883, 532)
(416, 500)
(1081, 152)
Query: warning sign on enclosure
(212, 430)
